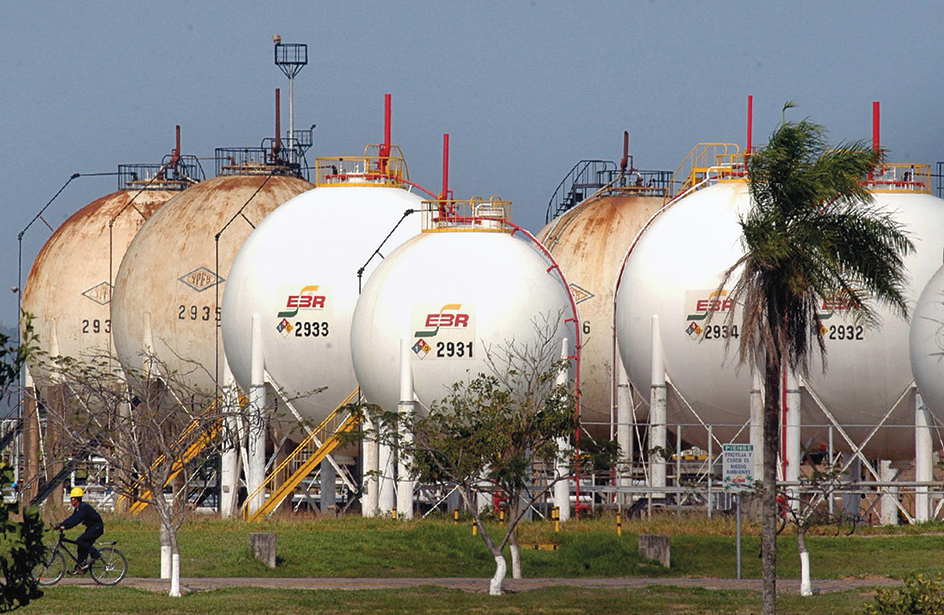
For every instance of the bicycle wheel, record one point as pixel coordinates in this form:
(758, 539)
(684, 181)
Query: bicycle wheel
(110, 567)
(50, 570)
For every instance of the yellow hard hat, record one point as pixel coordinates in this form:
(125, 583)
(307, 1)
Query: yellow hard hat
(77, 492)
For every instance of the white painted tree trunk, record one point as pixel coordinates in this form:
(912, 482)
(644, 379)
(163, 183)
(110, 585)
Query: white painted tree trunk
(515, 561)
(806, 585)
(165, 553)
(501, 569)
(175, 576)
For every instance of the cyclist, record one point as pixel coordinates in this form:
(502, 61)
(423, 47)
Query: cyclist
(94, 528)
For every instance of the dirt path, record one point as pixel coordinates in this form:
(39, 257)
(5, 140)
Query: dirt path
(480, 585)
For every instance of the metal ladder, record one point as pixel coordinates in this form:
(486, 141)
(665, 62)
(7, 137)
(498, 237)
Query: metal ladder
(193, 449)
(282, 481)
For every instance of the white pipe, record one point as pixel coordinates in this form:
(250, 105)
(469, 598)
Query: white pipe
(562, 464)
(657, 409)
(888, 512)
(405, 484)
(386, 492)
(624, 423)
(370, 500)
(924, 461)
(794, 455)
(256, 419)
(229, 459)
(757, 421)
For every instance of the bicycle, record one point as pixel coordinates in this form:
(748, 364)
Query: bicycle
(108, 569)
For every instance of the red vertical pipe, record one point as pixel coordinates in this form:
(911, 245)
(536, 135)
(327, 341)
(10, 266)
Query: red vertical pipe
(278, 122)
(445, 184)
(875, 126)
(387, 116)
(174, 155)
(876, 138)
(624, 161)
(750, 127)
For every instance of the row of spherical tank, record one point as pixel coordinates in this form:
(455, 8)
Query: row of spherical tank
(340, 273)
(673, 271)
(299, 258)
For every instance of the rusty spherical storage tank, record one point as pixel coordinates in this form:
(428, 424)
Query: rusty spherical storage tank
(170, 283)
(69, 289)
(589, 242)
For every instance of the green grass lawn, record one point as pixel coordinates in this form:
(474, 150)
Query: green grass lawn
(356, 547)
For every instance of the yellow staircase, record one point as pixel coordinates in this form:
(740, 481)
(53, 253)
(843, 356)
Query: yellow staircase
(303, 460)
(720, 161)
(193, 449)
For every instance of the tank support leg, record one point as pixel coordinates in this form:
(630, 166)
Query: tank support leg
(757, 421)
(624, 428)
(256, 419)
(657, 414)
(405, 484)
(229, 459)
(792, 427)
(889, 509)
(924, 462)
(562, 487)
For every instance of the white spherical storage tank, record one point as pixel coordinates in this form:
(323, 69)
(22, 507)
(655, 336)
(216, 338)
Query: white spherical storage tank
(673, 271)
(927, 343)
(174, 273)
(299, 270)
(455, 296)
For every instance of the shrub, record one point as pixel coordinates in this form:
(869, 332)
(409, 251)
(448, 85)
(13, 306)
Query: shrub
(919, 594)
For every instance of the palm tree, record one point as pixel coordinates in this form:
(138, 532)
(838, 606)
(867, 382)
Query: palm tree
(811, 233)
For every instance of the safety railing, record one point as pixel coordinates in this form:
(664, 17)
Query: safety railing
(372, 169)
(901, 177)
(475, 214)
(254, 161)
(289, 474)
(708, 162)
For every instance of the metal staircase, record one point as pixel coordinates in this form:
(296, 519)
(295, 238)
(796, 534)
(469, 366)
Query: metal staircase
(46, 488)
(584, 179)
(284, 480)
(196, 446)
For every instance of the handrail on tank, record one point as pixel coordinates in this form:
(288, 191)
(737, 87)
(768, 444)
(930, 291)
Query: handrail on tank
(900, 177)
(718, 161)
(475, 214)
(371, 169)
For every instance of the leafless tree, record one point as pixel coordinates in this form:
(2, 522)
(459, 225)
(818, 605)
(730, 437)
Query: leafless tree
(149, 426)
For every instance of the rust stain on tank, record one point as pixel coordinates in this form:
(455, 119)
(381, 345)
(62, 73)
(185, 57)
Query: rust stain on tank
(589, 243)
(175, 270)
(69, 287)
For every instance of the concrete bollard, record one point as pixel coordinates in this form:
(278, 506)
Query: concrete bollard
(656, 547)
(263, 547)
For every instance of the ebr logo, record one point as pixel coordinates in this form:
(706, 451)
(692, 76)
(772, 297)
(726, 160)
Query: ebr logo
(306, 299)
(699, 303)
(449, 316)
(447, 320)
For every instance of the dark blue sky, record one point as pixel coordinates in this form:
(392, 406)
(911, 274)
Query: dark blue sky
(525, 89)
